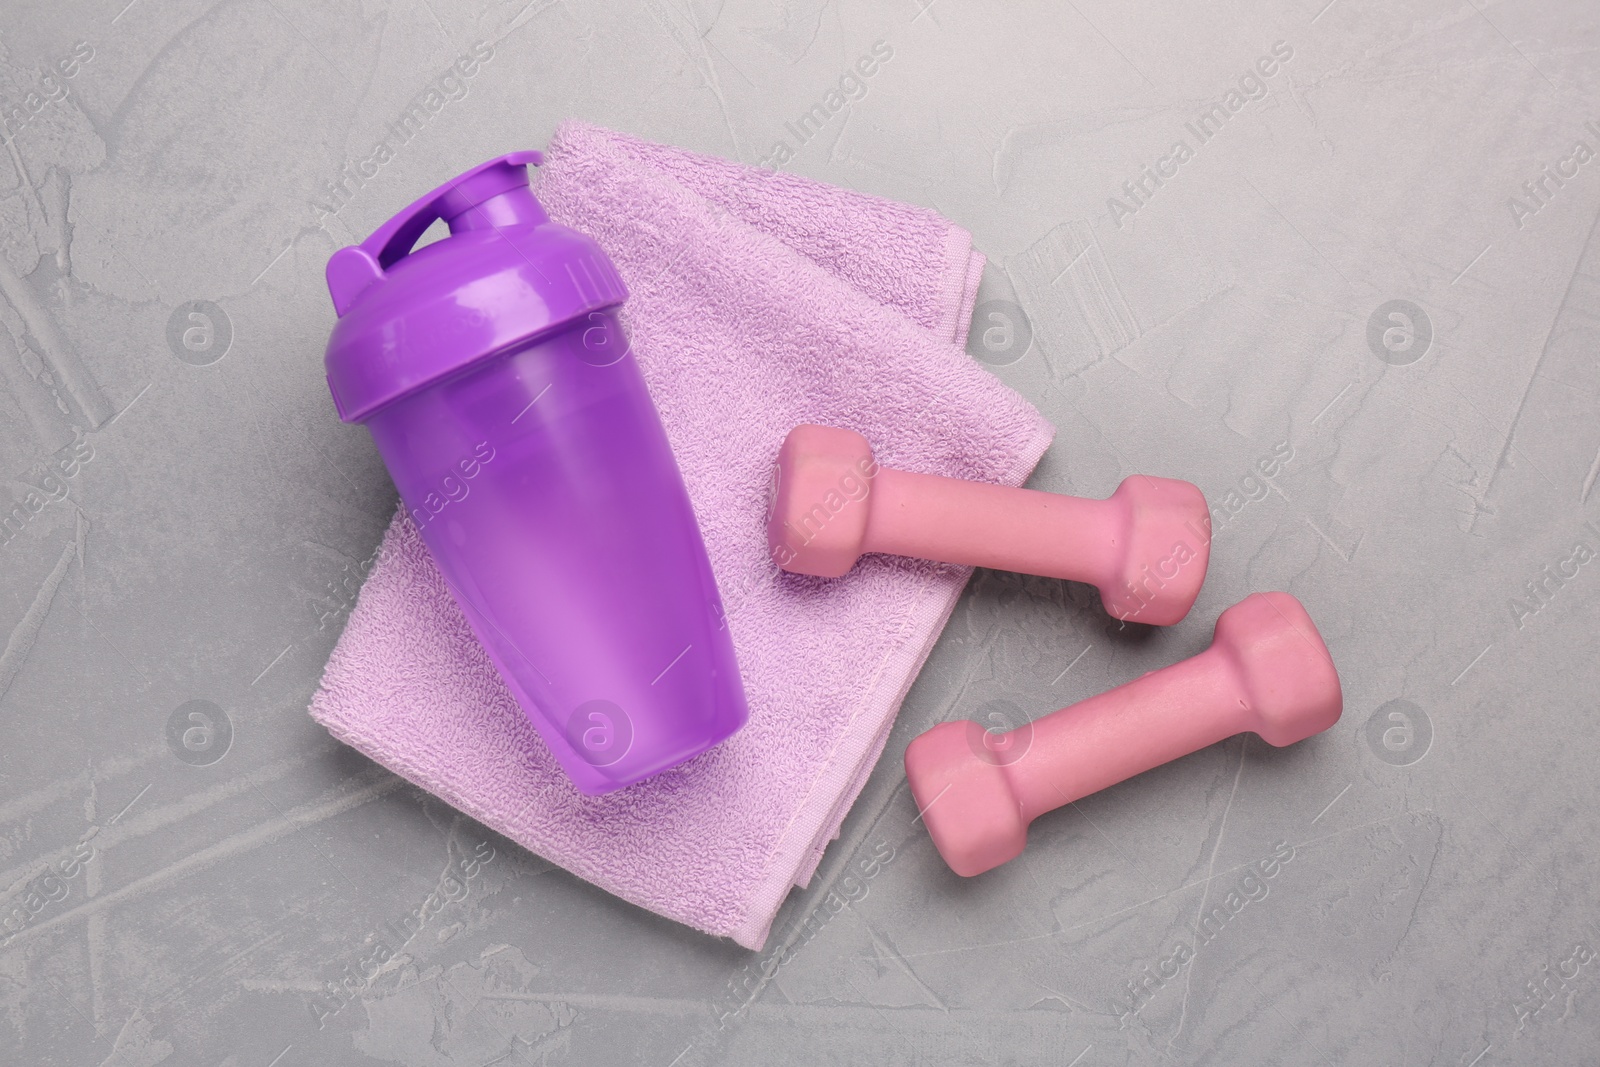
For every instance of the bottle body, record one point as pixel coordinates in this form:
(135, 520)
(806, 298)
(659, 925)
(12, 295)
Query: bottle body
(546, 492)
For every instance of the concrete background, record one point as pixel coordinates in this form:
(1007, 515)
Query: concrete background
(193, 875)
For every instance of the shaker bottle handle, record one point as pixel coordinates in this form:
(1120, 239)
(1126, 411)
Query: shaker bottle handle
(351, 270)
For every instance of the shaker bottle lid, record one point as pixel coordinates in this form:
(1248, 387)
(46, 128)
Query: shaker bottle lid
(505, 276)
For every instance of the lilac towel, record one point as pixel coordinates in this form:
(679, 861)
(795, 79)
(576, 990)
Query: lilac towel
(759, 301)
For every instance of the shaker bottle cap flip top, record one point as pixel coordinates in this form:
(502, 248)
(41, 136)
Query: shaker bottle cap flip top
(408, 319)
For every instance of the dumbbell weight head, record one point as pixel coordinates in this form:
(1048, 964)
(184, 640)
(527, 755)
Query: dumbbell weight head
(966, 801)
(817, 503)
(1284, 672)
(1165, 547)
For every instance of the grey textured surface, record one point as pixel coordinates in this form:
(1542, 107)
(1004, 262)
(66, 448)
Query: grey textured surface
(191, 888)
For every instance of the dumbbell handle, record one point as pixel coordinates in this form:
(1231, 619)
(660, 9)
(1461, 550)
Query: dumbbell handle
(1125, 731)
(955, 521)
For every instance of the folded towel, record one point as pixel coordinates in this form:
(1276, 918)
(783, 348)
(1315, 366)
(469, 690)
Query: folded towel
(759, 301)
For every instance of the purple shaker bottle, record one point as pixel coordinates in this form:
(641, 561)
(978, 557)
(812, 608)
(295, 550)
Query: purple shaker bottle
(501, 392)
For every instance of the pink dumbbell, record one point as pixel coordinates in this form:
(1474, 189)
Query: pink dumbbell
(1145, 548)
(1267, 671)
